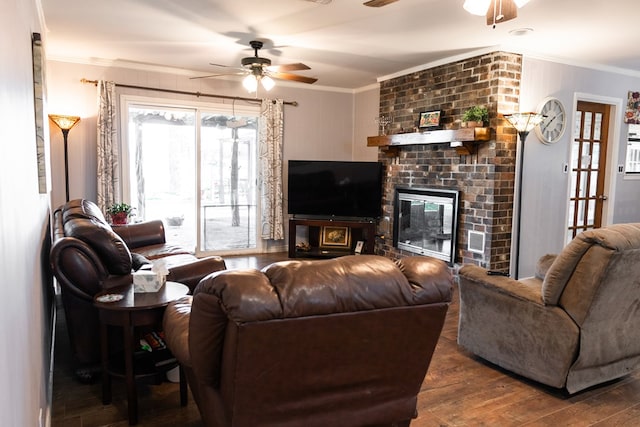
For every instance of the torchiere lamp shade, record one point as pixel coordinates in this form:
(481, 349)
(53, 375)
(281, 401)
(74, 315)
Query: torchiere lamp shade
(65, 123)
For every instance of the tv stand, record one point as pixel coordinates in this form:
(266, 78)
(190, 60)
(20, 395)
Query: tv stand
(319, 247)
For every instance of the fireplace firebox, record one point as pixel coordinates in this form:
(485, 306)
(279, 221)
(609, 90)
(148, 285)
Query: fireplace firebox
(425, 222)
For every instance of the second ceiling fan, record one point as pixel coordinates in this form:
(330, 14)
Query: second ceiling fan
(257, 69)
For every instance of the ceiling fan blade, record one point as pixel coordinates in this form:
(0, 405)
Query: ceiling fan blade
(378, 3)
(216, 75)
(287, 67)
(294, 77)
(502, 10)
(226, 66)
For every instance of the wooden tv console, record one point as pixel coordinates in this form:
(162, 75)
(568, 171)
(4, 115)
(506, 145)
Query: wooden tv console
(319, 247)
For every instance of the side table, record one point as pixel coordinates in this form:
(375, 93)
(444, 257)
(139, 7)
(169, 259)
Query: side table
(122, 307)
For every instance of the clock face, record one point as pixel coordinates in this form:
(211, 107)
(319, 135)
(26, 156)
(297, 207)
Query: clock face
(552, 127)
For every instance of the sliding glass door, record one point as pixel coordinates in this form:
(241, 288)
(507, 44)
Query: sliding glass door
(194, 167)
(227, 182)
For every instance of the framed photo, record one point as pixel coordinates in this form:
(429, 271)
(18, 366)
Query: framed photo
(335, 237)
(39, 99)
(429, 119)
(359, 246)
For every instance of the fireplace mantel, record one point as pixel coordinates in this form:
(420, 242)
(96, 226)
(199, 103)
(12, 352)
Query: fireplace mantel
(431, 137)
(468, 135)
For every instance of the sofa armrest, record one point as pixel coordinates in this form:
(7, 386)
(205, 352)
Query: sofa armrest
(191, 273)
(529, 289)
(141, 233)
(77, 267)
(175, 324)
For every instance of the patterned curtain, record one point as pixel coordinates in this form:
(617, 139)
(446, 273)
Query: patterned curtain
(108, 155)
(271, 131)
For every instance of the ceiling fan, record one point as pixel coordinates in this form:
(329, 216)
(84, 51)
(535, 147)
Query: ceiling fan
(496, 11)
(259, 69)
(370, 3)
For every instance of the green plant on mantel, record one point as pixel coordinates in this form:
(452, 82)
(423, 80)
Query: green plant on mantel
(477, 113)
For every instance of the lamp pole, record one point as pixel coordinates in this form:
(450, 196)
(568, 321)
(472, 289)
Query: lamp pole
(65, 134)
(523, 136)
(523, 123)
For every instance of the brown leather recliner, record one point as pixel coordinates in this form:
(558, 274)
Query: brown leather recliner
(88, 256)
(341, 342)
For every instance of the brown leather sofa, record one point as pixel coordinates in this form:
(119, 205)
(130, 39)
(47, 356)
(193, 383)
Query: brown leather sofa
(341, 342)
(88, 256)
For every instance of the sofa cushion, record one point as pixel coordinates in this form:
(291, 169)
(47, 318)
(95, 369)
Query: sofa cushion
(138, 261)
(152, 252)
(617, 237)
(107, 244)
(543, 264)
(292, 289)
(81, 208)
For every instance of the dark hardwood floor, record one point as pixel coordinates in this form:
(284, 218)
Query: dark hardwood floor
(459, 390)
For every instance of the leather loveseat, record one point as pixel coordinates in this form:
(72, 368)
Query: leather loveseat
(88, 256)
(341, 342)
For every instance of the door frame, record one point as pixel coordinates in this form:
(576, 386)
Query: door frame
(613, 151)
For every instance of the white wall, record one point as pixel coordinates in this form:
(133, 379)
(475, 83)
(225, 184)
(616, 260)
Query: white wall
(23, 218)
(545, 185)
(367, 109)
(319, 128)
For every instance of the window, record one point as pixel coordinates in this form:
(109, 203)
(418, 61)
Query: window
(632, 166)
(194, 167)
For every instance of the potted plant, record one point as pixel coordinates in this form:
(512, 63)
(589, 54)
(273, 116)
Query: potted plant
(119, 213)
(475, 117)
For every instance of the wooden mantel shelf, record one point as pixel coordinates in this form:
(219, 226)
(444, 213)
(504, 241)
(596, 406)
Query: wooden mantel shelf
(467, 138)
(431, 137)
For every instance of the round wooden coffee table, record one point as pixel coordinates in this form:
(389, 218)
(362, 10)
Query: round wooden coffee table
(120, 306)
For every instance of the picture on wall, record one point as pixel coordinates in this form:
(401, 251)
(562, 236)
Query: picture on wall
(429, 119)
(39, 95)
(632, 113)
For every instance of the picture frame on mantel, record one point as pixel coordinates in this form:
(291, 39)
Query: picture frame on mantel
(429, 119)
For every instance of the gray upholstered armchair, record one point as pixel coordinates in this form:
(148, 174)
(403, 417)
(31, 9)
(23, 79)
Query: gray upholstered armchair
(576, 324)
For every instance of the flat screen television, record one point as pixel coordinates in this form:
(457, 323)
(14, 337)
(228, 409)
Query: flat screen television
(335, 188)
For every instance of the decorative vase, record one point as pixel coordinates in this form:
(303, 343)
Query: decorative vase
(471, 124)
(119, 218)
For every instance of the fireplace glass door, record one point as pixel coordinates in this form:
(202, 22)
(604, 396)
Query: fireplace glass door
(425, 222)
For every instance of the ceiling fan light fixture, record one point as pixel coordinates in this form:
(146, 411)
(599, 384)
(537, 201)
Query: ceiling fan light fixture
(478, 7)
(267, 83)
(250, 83)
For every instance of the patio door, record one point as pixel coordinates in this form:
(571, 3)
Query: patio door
(588, 167)
(193, 167)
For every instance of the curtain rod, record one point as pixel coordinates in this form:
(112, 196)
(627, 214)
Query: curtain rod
(181, 92)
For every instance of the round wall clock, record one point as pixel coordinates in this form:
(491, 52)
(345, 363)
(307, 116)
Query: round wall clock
(552, 127)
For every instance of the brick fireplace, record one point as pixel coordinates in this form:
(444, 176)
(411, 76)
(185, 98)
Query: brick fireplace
(485, 180)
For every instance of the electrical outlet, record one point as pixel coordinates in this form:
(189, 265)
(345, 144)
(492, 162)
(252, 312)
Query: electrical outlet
(620, 168)
(565, 168)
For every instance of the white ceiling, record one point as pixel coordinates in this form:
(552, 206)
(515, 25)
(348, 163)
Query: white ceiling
(346, 44)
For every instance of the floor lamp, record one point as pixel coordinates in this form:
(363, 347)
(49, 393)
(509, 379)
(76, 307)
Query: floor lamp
(523, 123)
(65, 123)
